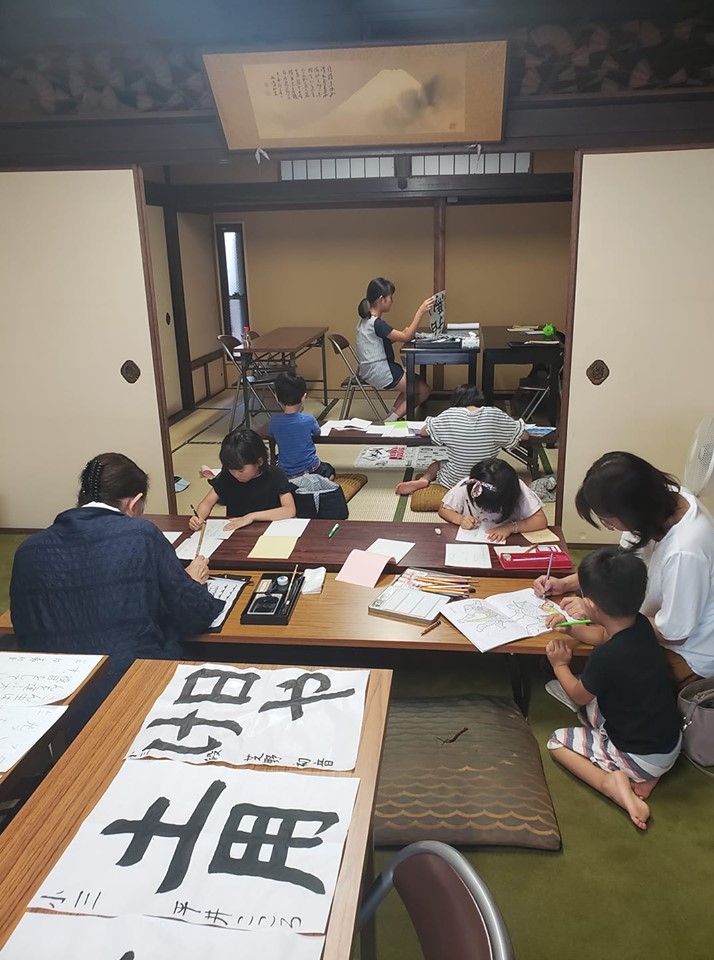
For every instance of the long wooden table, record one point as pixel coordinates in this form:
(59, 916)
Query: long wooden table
(315, 548)
(39, 834)
(500, 345)
(337, 619)
(286, 342)
(28, 764)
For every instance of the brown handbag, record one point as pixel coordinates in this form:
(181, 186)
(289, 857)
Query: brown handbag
(696, 704)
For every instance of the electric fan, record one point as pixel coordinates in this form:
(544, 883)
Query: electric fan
(699, 468)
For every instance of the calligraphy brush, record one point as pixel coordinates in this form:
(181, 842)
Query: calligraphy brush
(200, 541)
(290, 585)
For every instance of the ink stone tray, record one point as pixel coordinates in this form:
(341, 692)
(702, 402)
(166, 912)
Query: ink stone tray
(273, 600)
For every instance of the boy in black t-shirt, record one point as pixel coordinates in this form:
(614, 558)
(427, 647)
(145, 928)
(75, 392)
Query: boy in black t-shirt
(248, 487)
(631, 733)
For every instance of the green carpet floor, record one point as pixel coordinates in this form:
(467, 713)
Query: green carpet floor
(612, 893)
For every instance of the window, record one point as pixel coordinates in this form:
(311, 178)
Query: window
(231, 263)
(337, 168)
(465, 164)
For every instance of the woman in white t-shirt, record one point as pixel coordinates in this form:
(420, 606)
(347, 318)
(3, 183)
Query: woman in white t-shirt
(494, 497)
(674, 535)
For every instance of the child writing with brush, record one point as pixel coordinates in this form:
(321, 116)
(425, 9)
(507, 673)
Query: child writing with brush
(625, 701)
(248, 487)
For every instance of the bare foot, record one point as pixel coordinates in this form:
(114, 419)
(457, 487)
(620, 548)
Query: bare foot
(618, 787)
(410, 486)
(643, 790)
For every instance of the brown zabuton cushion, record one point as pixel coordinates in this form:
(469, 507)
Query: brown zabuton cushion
(485, 788)
(351, 483)
(428, 499)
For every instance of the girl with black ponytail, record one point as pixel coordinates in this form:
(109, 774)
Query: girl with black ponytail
(374, 345)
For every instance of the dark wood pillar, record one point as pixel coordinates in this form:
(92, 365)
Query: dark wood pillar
(439, 268)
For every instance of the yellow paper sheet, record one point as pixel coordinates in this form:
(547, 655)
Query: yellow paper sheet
(541, 536)
(273, 548)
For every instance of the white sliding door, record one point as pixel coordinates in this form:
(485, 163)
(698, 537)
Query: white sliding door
(644, 304)
(73, 310)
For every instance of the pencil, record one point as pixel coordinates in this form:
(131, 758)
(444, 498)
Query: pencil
(431, 626)
(200, 541)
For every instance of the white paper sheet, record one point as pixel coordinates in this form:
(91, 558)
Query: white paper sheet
(377, 430)
(237, 842)
(286, 528)
(171, 535)
(289, 717)
(502, 618)
(467, 555)
(477, 535)
(356, 423)
(34, 679)
(211, 542)
(391, 548)
(331, 425)
(41, 936)
(21, 728)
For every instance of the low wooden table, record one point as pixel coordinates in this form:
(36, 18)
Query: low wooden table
(338, 619)
(316, 549)
(39, 834)
(287, 342)
(11, 780)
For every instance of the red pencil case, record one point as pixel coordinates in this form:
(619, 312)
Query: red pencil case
(537, 559)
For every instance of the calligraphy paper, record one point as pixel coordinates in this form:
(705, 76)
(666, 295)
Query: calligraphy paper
(289, 717)
(286, 528)
(397, 549)
(21, 728)
(227, 591)
(171, 536)
(467, 555)
(502, 618)
(42, 678)
(172, 840)
(43, 936)
(273, 548)
(362, 568)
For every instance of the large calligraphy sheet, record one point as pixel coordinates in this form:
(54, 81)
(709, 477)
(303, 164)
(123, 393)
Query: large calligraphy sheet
(288, 717)
(61, 937)
(259, 850)
(37, 679)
